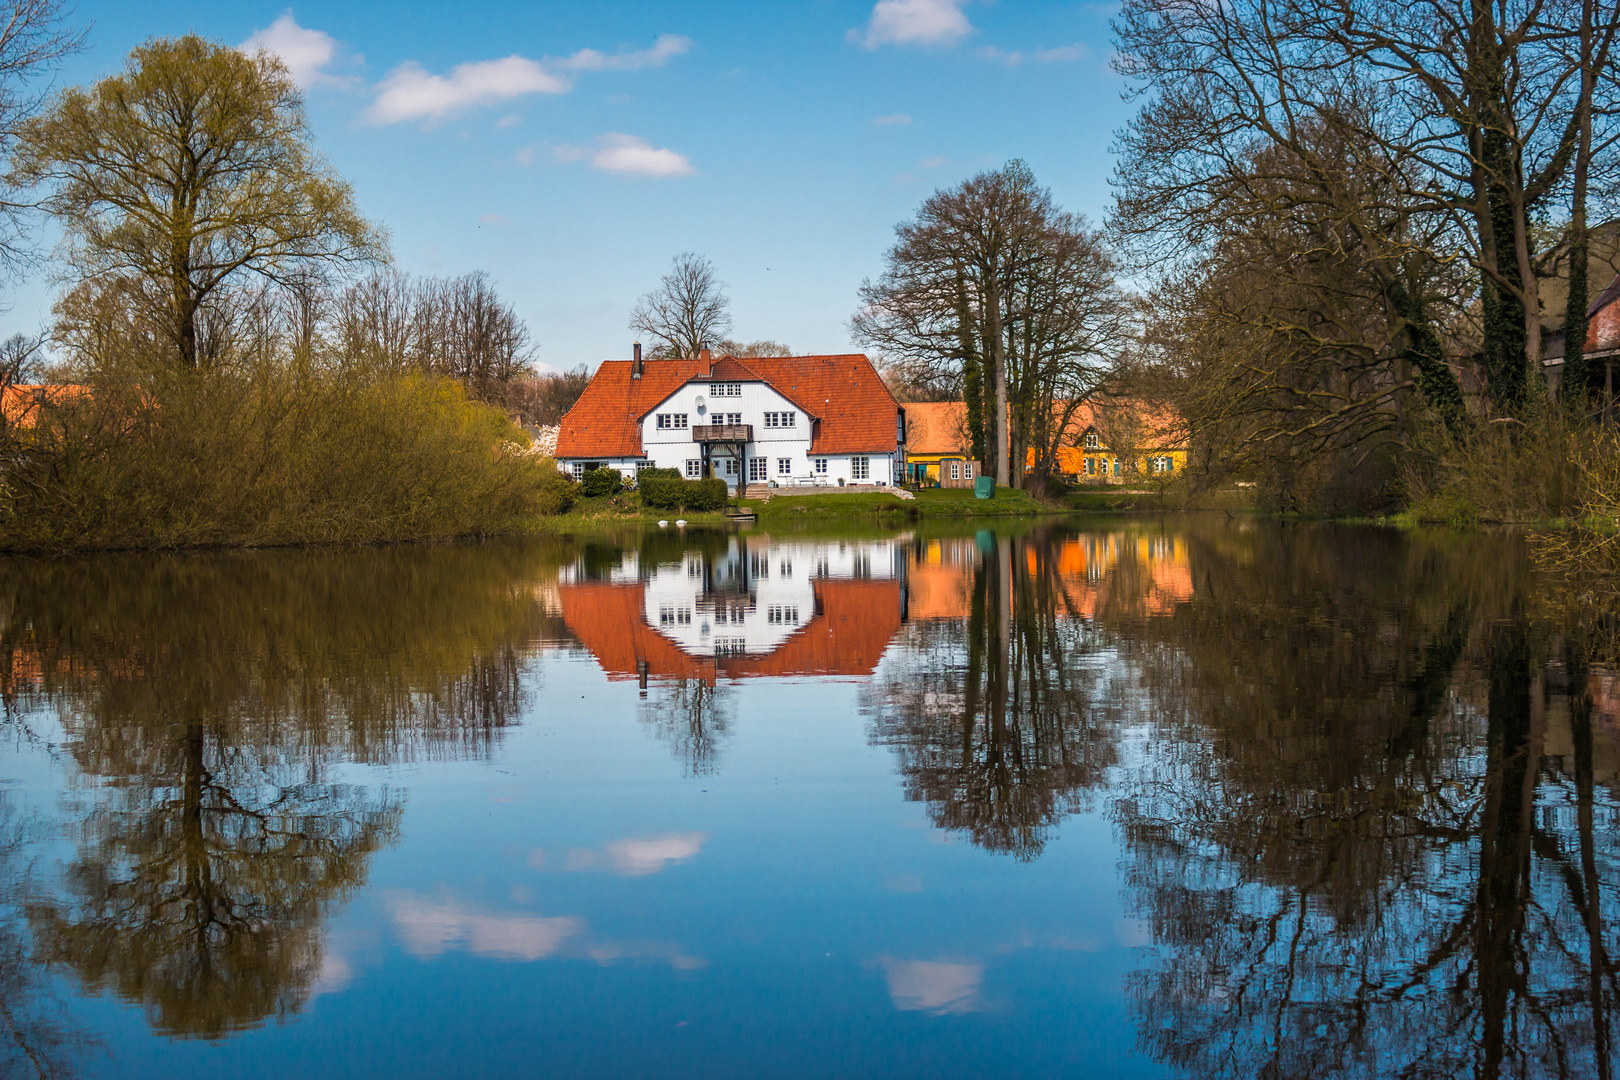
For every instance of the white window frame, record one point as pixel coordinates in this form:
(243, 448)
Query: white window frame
(759, 470)
(781, 419)
(730, 467)
(725, 389)
(694, 468)
(1092, 442)
(821, 466)
(784, 466)
(860, 468)
(956, 470)
(671, 421)
(733, 418)
(577, 468)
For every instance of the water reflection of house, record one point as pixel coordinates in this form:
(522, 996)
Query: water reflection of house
(754, 609)
(1149, 575)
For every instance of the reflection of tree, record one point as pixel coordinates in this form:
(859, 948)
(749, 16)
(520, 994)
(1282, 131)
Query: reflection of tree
(199, 890)
(34, 1039)
(209, 698)
(992, 718)
(693, 717)
(1345, 835)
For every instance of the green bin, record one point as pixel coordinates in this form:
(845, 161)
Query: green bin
(984, 487)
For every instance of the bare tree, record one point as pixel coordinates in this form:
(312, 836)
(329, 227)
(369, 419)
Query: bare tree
(33, 41)
(994, 289)
(1461, 119)
(752, 348)
(688, 312)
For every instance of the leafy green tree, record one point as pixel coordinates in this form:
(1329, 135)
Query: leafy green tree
(188, 170)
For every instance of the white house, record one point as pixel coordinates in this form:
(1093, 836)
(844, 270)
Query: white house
(795, 421)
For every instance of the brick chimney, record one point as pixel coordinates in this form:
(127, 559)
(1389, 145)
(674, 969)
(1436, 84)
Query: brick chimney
(635, 365)
(705, 354)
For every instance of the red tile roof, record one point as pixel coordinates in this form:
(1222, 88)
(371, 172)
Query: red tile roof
(606, 420)
(850, 409)
(936, 427)
(854, 622)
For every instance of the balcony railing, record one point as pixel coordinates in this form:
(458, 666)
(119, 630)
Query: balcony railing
(723, 433)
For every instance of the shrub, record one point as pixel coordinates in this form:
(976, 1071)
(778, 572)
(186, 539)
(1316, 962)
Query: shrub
(670, 492)
(267, 455)
(600, 482)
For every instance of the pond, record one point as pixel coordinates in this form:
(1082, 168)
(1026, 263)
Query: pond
(1135, 797)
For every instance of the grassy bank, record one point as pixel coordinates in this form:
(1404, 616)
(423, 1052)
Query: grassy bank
(930, 502)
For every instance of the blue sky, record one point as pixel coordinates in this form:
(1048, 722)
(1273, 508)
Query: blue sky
(572, 149)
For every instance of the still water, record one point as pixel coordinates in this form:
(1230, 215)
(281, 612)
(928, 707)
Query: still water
(1136, 798)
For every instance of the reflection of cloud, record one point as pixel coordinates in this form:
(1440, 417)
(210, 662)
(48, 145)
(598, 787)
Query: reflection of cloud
(652, 854)
(336, 971)
(633, 856)
(933, 985)
(429, 929)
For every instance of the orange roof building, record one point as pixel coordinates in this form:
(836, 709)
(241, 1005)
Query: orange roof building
(793, 420)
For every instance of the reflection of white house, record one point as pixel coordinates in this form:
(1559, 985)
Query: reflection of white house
(793, 421)
(752, 608)
(751, 600)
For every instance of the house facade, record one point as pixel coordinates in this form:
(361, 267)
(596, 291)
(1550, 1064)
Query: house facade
(937, 450)
(1103, 442)
(1116, 441)
(798, 421)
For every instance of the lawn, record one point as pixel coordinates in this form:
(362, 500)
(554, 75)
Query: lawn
(930, 502)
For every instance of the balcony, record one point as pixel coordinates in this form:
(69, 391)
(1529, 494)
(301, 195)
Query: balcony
(723, 433)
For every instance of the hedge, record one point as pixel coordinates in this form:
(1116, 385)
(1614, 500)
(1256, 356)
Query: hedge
(600, 482)
(670, 492)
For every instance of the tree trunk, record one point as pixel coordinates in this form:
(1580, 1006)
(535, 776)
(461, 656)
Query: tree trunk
(996, 339)
(1577, 381)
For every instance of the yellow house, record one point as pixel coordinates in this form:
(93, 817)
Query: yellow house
(1112, 441)
(1100, 443)
(937, 444)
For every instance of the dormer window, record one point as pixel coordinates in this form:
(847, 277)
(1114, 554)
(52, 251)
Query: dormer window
(725, 389)
(1092, 442)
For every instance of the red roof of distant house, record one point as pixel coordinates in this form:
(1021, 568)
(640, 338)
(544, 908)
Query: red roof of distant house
(854, 623)
(850, 409)
(936, 427)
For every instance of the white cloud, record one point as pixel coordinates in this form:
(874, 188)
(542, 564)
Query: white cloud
(628, 154)
(412, 93)
(524, 156)
(307, 53)
(898, 119)
(1066, 54)
(494, 219)
(914, 22)
(931, 162)
(666, 47)
(507, 121)
(933, 985)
